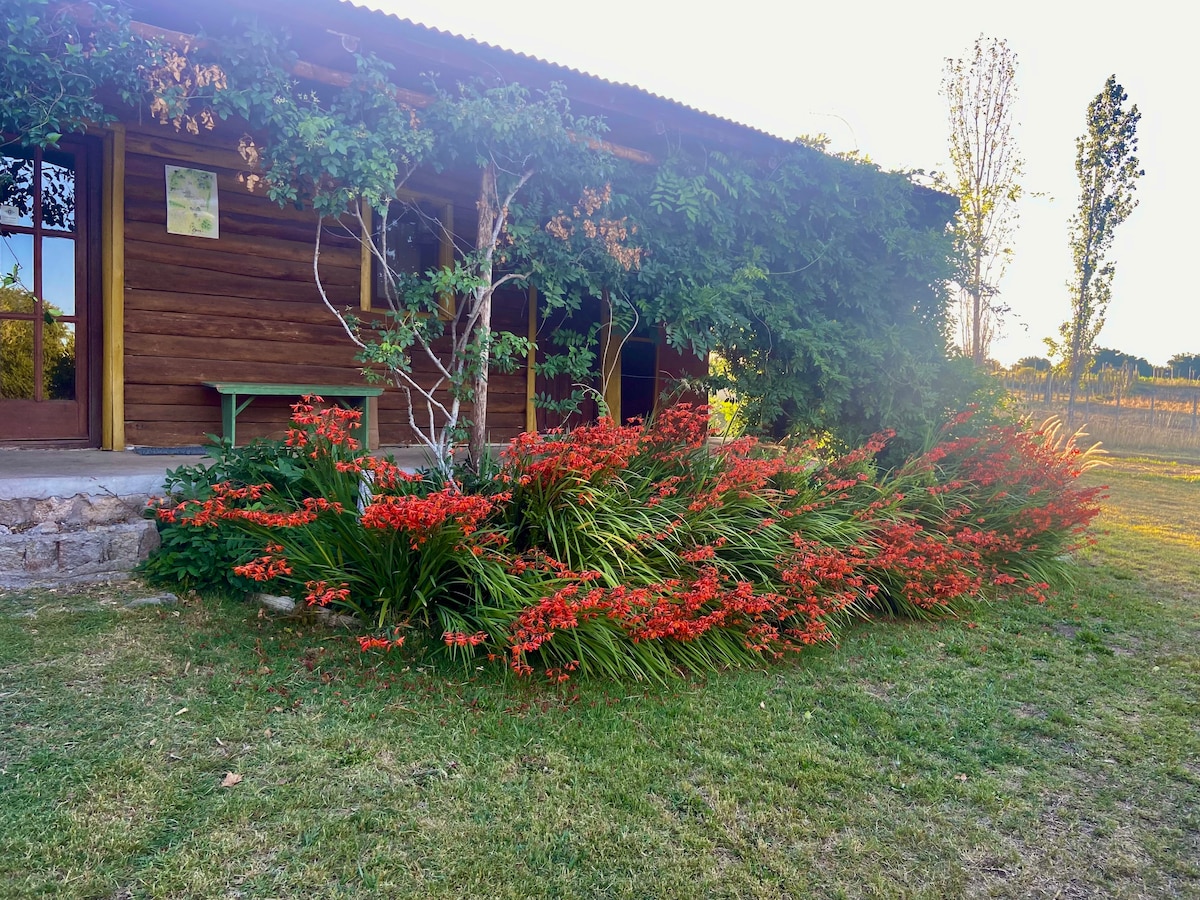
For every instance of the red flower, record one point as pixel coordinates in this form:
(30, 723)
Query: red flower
(422, 517)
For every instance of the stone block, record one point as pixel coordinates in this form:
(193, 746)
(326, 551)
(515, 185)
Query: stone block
(110, 510)
(122, 546)
(165, 598)
(12, 553)
(17, 513)
(41, 552)
(275, 602)
(149, 541)
(82, 553)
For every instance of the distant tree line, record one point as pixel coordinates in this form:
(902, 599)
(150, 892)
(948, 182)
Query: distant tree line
(1181, 365)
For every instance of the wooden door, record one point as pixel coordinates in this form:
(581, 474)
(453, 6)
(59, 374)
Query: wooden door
(48, 295)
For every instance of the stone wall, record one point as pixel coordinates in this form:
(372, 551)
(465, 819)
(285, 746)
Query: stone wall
(63, 540)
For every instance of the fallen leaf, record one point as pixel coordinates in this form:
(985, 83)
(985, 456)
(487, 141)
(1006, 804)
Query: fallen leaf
(230, 779)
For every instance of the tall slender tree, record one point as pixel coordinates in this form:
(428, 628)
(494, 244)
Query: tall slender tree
(980, 91)
(1108, 169)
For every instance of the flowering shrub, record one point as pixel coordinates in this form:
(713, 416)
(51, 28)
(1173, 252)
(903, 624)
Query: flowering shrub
(998, 507)
(642, 550)
(358, 535)
(202, 557)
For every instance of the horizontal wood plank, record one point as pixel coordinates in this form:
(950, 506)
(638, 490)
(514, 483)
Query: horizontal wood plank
(311, 311)
(179, 370)
(251, 389)
(249, 244)
(224, 258)
(257, 222)
(141, 274)
(171, 145)
(176, 346)
(220, 327)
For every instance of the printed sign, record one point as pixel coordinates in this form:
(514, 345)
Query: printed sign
(192, 202)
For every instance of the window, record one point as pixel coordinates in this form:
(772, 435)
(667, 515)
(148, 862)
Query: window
(38, 258)
(49, 342)
(416, 236)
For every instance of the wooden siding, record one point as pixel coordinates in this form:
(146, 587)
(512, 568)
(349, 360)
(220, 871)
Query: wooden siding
(245, 307)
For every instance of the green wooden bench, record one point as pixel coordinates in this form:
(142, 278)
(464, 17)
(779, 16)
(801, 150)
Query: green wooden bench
(237, 395)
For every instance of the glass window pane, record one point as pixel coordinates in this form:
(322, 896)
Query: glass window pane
(412, 241)
(58, 191)
(58, 366)
(16, 253)
(16, 187)
(16, 300)
(58, 275)
(16, 359)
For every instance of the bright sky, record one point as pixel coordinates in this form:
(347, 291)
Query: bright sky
(867, 74)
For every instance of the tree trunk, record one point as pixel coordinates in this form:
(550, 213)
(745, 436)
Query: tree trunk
(489, 209)
(977, 348)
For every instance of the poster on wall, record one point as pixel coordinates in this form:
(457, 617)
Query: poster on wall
(192, 202)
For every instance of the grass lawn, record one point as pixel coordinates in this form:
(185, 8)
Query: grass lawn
(1025, 751)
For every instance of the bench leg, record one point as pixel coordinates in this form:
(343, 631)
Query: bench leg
(229, 418)
(362, 432)
(230, 409)
(364, 425)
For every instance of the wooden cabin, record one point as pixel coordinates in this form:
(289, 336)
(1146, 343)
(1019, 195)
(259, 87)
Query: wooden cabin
(133, 316)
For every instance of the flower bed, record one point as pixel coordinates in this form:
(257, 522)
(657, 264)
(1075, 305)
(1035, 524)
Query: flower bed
(637, 550)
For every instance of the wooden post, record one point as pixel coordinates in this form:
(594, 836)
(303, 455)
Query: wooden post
(489, 211)
(366, 293)
(112, 403)
(366, 283)
(531, 365)
(610, 361)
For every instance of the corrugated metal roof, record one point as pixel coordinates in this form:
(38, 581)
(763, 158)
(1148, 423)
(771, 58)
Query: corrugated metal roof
(340, 6)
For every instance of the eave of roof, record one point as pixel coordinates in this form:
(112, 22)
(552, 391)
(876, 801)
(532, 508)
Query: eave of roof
(395, 39)
(559, 68)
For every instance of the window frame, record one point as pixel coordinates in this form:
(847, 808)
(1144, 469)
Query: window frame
(369, 268)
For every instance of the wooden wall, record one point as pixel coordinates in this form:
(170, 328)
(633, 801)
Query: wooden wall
(245, 307)
(674, 365)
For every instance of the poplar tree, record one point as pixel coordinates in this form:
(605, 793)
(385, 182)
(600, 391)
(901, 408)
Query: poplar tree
(1108, 169)
(980, 92)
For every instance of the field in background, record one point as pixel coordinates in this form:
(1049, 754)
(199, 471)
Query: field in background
(1154, 417)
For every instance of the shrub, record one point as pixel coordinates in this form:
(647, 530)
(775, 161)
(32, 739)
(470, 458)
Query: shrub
(202, 558)
(643, 550)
